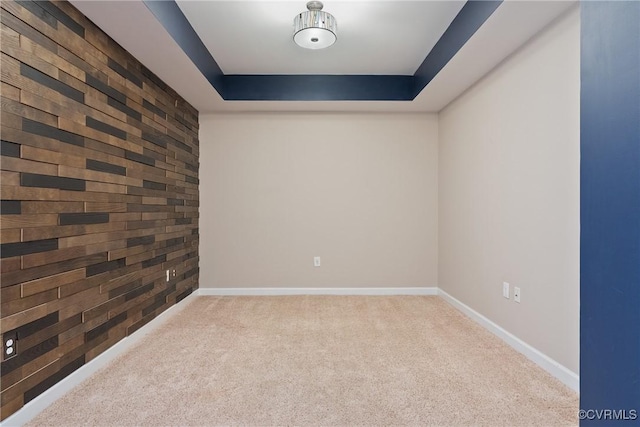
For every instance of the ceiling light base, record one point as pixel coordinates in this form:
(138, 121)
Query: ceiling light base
(315, 29)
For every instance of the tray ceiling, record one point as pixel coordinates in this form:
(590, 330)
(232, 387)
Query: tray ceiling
(375, 38)
(380, 37)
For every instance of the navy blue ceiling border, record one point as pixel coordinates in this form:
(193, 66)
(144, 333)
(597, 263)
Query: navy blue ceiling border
(293, 87)
(296, 87)
(173, 20)
(471, 17)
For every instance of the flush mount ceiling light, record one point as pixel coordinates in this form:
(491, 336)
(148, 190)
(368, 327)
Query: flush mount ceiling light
(315, 29)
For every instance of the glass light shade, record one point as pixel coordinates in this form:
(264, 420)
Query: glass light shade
(315, 29)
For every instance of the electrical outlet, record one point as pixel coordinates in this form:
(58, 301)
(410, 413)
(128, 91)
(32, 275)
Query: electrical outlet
(10, 348)
(505, 290)
(174, 272)
(516, 294)
(316, 261)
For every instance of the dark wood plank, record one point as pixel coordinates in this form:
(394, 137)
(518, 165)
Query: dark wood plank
(46, 181)
(10, 207)
(38, 128)
(58, 86)
(83, 218)
(10, 149)
(23, 248)
(103, 127)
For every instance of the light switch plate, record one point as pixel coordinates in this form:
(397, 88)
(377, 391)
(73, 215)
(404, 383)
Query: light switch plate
(505, 290)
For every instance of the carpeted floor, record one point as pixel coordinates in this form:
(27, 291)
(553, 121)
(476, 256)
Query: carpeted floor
(318, 360)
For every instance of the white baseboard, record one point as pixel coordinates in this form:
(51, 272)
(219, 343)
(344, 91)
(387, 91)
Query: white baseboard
(565, 375)
(317, 291)
(40, 403)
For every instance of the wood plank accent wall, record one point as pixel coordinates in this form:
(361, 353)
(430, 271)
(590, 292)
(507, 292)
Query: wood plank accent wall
(99, 195)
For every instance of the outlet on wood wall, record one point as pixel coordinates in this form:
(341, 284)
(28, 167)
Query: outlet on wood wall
(99, 195)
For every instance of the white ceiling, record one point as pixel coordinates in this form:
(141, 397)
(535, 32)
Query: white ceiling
(134, 27)
(379, 37)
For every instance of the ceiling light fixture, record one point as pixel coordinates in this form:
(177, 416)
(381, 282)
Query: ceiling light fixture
(315, 29)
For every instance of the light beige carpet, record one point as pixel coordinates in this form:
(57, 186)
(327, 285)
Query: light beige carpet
(318, 360)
